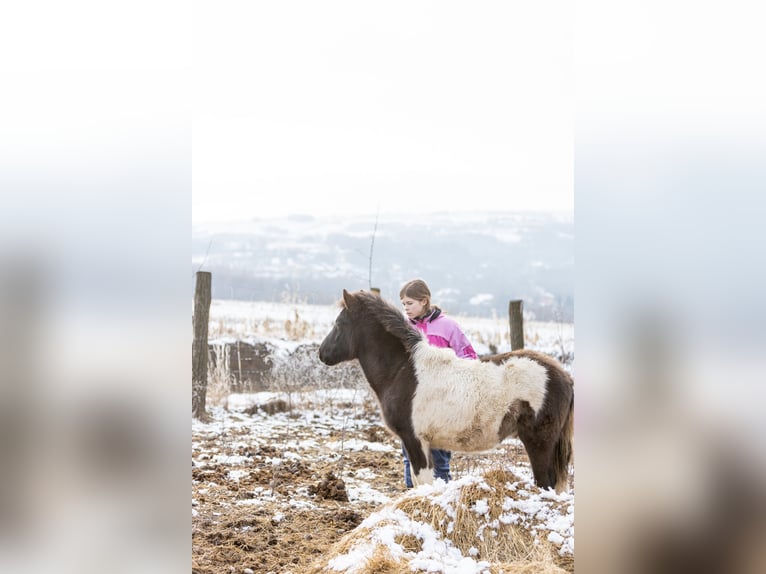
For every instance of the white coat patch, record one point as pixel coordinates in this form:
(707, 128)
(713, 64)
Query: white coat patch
(425, 476)
(459, 404)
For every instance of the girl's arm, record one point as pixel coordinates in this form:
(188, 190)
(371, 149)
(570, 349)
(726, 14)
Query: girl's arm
(461, 345)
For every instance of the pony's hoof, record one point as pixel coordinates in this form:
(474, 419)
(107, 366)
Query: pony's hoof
(425, 476)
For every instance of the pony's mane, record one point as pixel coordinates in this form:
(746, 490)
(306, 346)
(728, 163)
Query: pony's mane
(390, 318)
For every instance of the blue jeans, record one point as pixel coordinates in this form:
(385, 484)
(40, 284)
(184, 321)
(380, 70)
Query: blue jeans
(441, 465)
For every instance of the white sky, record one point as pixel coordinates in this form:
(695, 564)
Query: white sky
(353, 107)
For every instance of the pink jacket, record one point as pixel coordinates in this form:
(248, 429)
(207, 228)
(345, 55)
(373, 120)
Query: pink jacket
(442, 331)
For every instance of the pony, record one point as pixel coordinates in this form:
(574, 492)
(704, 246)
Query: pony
(430, 398)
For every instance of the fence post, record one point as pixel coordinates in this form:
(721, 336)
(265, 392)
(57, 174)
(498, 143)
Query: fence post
(202, 296)
(239, 363)
(517, 324)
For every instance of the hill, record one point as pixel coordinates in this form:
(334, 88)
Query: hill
(475, 263)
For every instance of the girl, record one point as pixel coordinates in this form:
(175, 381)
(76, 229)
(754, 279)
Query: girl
(441, 331)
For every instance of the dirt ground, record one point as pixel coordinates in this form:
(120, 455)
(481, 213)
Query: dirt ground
(272, 492)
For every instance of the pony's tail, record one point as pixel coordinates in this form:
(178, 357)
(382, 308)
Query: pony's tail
(562, 454)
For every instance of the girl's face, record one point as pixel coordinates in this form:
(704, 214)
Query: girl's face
(412, 307)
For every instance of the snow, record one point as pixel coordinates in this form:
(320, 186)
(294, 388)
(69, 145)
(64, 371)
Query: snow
(286, 433)
(437, 553)
(481, 507)
(254, 321)
(356, 444)
(538, 511)
(548, 514)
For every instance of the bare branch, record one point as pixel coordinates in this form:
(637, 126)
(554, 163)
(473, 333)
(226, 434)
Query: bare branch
(206, 254)
(372, 245)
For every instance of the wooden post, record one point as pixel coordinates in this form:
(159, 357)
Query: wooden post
(239, 362)
(517, 324)
(202, 296)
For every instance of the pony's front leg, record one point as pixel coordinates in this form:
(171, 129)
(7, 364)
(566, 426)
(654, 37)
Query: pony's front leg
(421, 464)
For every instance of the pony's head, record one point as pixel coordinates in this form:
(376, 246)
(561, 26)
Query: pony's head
(365, 318)
(340, 344)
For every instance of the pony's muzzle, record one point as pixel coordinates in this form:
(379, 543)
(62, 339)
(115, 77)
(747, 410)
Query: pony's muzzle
(324, 356)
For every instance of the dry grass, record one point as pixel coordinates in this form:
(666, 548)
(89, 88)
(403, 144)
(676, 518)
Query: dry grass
(285, 322)
(294, 320)
(544, 567)
(382, 562)
(229, 536)
(250, 538)
(508, 548)
(297, 328)
(219, 381)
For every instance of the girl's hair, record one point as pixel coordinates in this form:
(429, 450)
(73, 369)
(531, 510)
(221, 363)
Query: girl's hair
(418, 290)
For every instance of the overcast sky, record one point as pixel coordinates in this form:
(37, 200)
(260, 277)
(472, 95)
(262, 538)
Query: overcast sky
(351, 107)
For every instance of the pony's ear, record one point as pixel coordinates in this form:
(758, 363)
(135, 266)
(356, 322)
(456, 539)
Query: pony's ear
(347, 298)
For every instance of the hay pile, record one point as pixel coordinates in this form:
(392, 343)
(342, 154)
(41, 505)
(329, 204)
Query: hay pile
(493, 523)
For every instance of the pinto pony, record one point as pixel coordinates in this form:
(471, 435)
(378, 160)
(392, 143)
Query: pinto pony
(430, 398)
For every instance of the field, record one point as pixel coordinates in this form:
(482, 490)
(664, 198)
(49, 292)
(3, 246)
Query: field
(280, 477)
